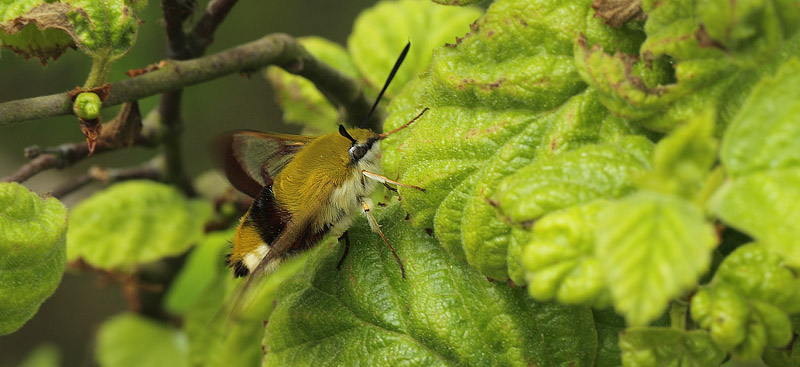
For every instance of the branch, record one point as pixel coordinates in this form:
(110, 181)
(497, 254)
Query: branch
(203, 32)
(151, 170)
(175, 12)
(276, 49)
(64, 156)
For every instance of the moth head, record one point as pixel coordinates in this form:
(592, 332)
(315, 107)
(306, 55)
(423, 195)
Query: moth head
(363, 144)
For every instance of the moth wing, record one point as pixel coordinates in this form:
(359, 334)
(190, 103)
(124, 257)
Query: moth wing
(252, 159)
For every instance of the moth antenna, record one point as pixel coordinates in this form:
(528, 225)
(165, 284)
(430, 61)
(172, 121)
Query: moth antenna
(384, 135)
(388, 80)
(343, 132)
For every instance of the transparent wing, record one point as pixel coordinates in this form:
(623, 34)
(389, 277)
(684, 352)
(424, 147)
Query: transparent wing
(252, 159)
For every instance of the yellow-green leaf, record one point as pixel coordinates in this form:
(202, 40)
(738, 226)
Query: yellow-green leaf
(32, 252)
(134, 222)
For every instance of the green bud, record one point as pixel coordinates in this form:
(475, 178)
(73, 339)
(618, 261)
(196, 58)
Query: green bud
(87, 106)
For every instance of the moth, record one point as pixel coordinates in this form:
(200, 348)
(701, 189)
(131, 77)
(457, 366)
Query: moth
(305, 188)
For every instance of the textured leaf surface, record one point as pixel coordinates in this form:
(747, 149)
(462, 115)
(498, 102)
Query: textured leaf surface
(652, 247)
(502, 97)
(301, 101)
(133, 340)
(103, 29)
(560, 260)
(679, 71)
(665, 347)
(28, 28)
(134, 222)
(443, 313)
(783, 357)
(32, 252)
(745, 307)
(740, 325)
(380, 33)
(609, 325)
(750, 31)
(587, 173)
(762, 275)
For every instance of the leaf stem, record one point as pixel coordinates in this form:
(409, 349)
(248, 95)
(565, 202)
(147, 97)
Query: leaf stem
(98, 73)
(677, 314)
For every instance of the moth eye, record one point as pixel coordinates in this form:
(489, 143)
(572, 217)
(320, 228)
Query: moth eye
(357, 152)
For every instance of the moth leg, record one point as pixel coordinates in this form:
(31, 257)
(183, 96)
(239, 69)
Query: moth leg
(389, 187)
(373, 223)
(346, 250)
(384, 180)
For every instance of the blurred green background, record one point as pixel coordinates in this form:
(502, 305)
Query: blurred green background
(70, 317)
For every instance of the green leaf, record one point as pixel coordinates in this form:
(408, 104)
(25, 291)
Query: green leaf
(443, 313)
(134, 222)
(132, 340)
(502, 97)
(666, 347)
(379, 34)
(673, 75)
(765, 133)
(609, 326)
(301, 101)
(746, 305)
(683, 159)
(28, 28)
(723, 311)
(32, 244)
(578, 176)
(783, 357)
(219, 335)
(44, 355)
(750, 31)
(652, 247)
(763, 206)
(761, 274)
(738, 324)
(560, 262)
(456, 2)
(103, 29)
(199, 272)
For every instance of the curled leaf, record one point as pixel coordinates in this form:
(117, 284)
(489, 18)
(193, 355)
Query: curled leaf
(581, 175)
(750, 31)
(32, 252)
(762, 275)
(738, 324)
(560, 259)
(102, 29)
(650, 346)
(35, 29)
